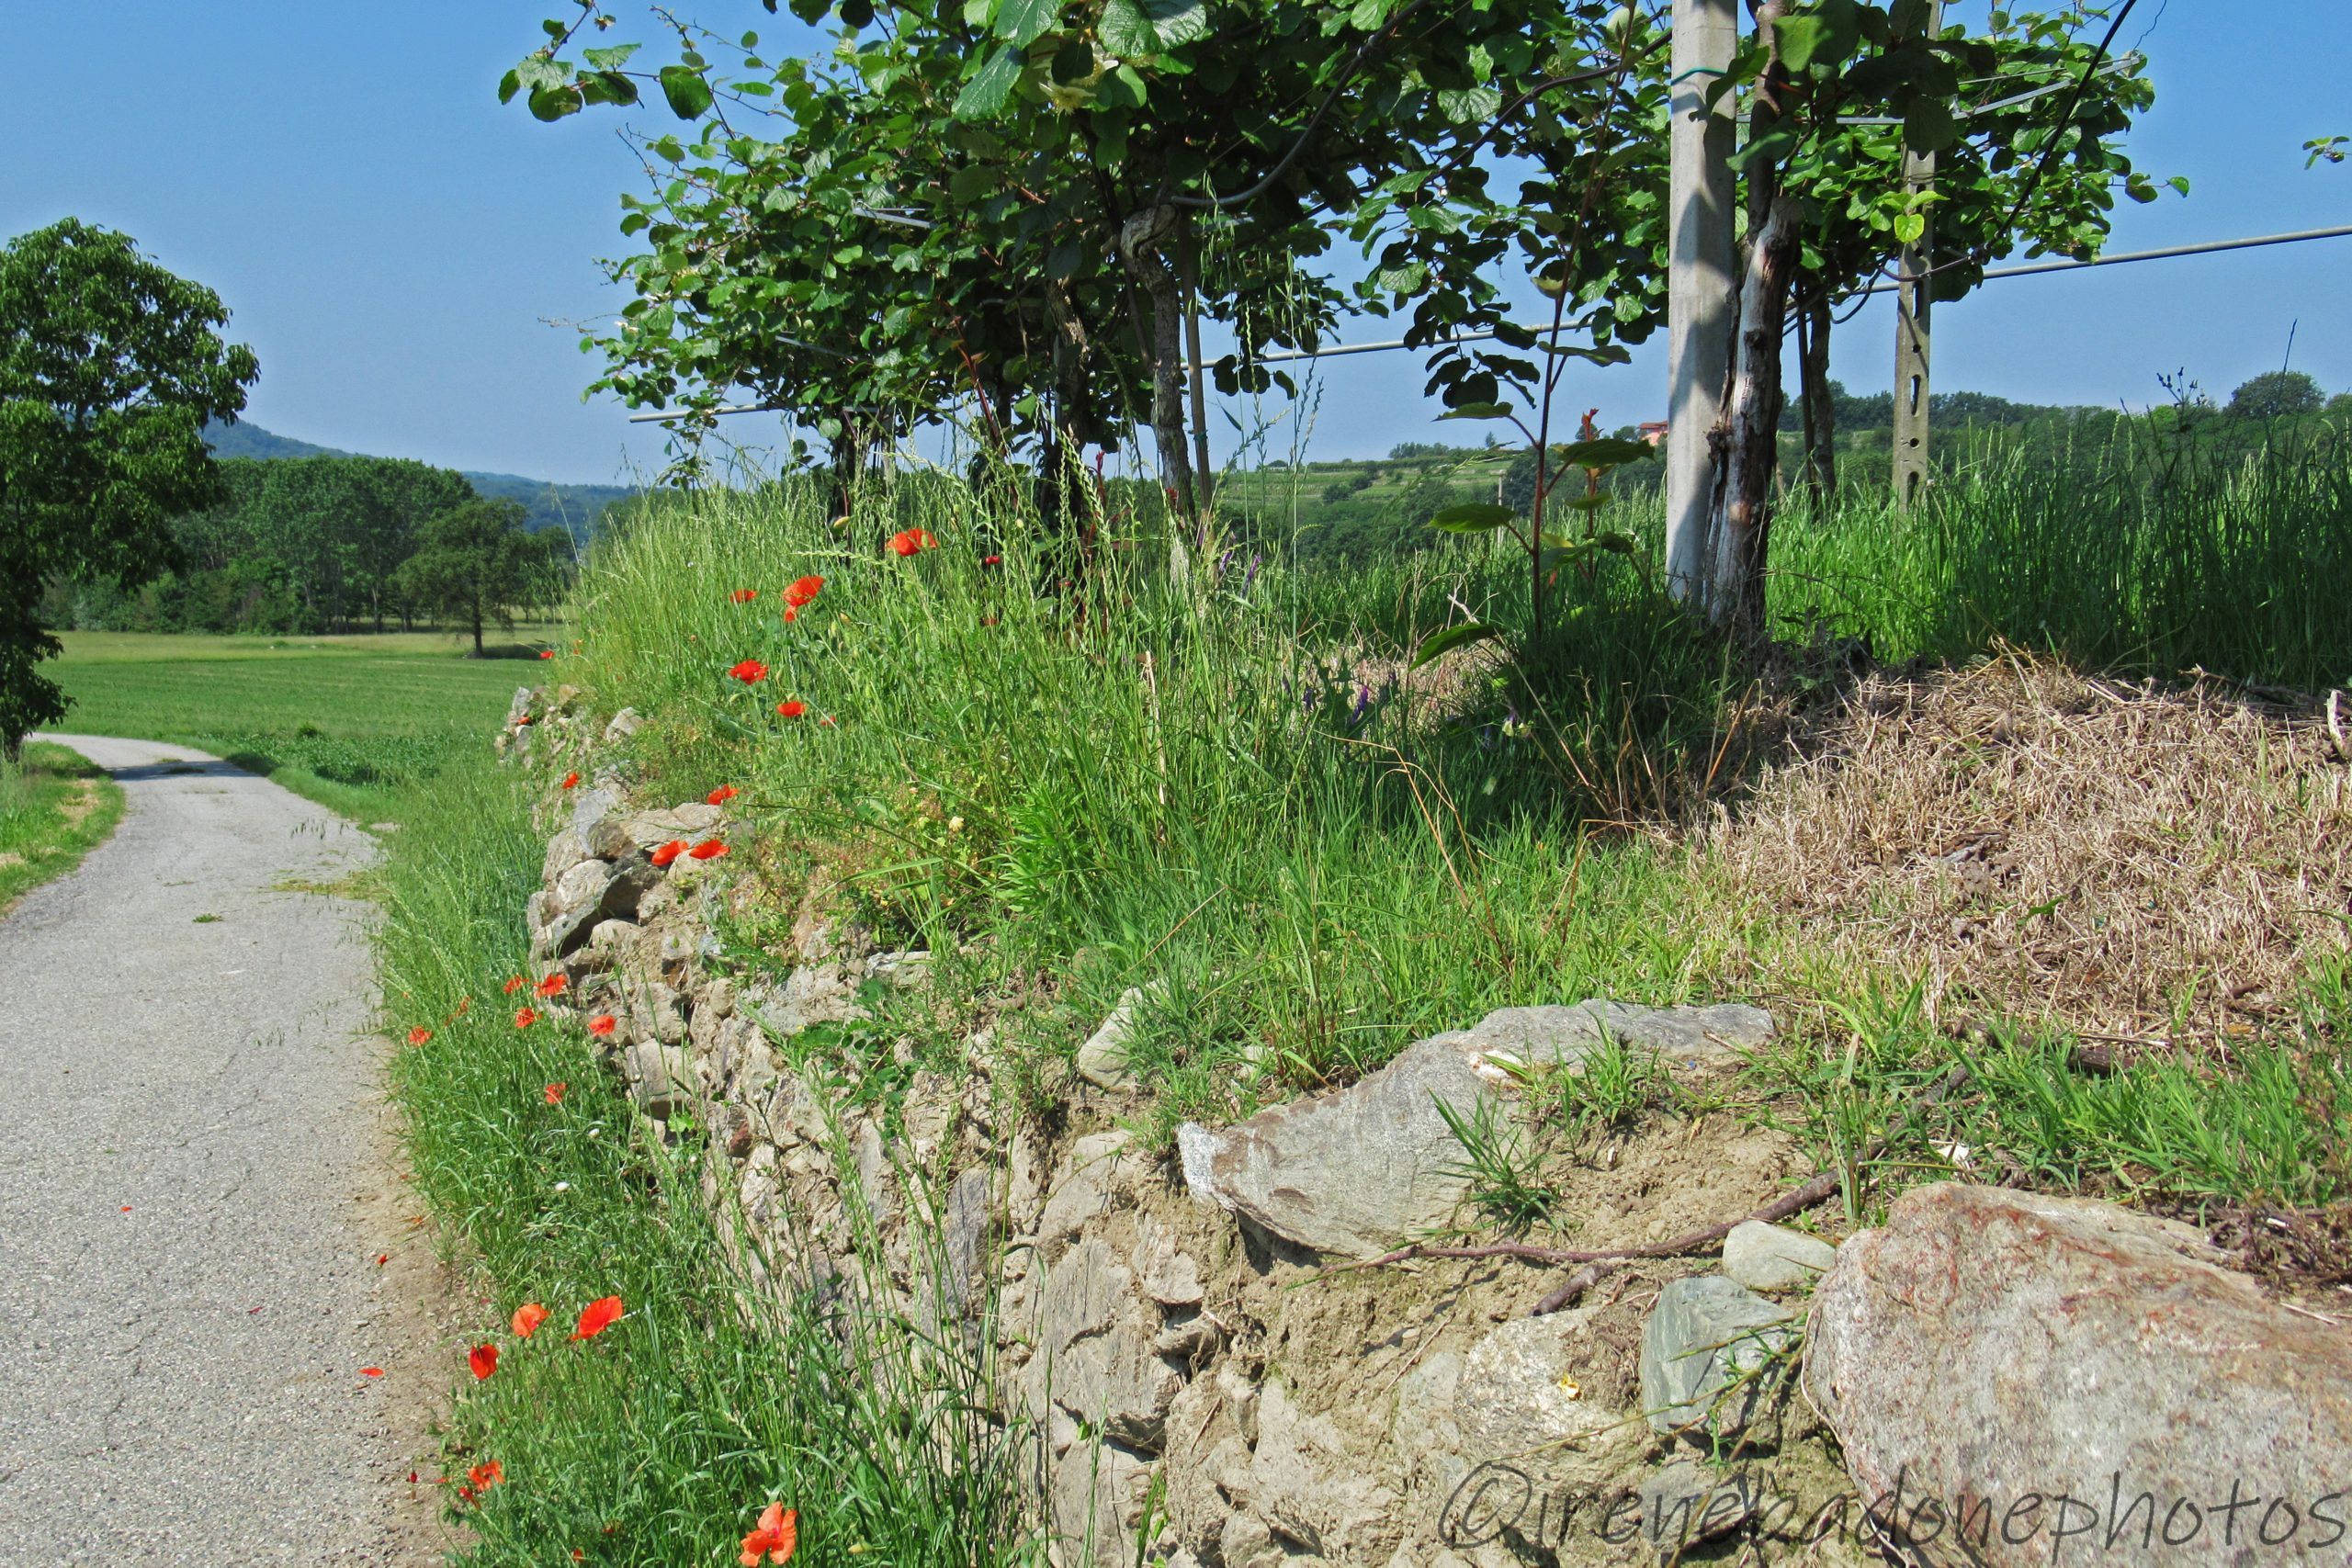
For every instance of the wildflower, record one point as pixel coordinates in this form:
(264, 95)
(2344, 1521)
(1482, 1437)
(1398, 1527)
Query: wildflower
(515, 984)
(709, 848)
(792, 709)
(554, 1092)
(750, 669)
(744, 596)
(524, 1017)
(527, 1318)
(483, 1358)
(791, 614)
(382, 1258)
(827, 721)
(483, 1477)
(597, 1316)
(912, 541)
(464, 1003)
(521, 720)
(991, 561)
(546, 653)
(419, 1035)
(571, 781)
(669, 851)
(371, 1371)
(553, 985)
(602, 1025)
(722, 795)
(777, 1533)
(803, 590)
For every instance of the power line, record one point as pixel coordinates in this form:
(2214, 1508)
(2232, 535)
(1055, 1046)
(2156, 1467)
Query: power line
(2030, 270)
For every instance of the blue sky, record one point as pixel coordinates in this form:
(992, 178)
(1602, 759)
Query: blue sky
(392, 240)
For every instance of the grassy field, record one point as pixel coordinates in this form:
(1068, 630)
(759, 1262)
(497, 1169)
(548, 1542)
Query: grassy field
(352, 722)
(1230, 788)
(55, 808)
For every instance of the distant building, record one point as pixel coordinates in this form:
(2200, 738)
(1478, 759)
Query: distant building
(1651, 432)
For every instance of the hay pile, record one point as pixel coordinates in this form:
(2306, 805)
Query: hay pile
(2142, 862)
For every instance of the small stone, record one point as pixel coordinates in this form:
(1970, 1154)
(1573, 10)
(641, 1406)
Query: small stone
(623, 724)
(1163, 1273)
(1772, 1257)
(1084, 1190)
(1102, 1060)
(1686, 1503)
(1705, 1334)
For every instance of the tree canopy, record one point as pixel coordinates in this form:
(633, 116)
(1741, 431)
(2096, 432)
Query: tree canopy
(110, 367)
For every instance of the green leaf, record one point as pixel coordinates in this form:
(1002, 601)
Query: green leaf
(1909, 226)
(1927, 126)
(991, 88)
(1605, 452)
(1472, 517)
(1768, 150)
(1801, 39)
(554, 103)
(1467, 106)
(1478, 410)
(1446, 641)
(611, 59)
(508, 85)
(1178, 22)
(1074, 61)
(973, 182)
(1021, 22)
(1125, 30)
(688, 94)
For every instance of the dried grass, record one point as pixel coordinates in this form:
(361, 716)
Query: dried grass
(2135, 862)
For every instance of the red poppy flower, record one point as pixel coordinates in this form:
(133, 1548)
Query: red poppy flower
(382, 1258)
(371, 1371)
(912, 541)
(827, 721)
(554, 1092)
(722, 795)
(527, 1318)
(571, 781)
(803, 590)
(525, 719)
(791, 613)
(419, 1035)
(750, 669)
(483, 1358)
(464, 1003)
(602, 1025)
(483, 1477)
(792, 709)
(515, 984)
(524, 1017)
(546, 653)
(553, 985)
(669, 851)
(991, 561)
(777, 1533)
(744, 596)
(597, 1316)
(709, 848)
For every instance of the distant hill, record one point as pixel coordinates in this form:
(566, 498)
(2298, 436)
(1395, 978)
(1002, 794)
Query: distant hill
(545, 505)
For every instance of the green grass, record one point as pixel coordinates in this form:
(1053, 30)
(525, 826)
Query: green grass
(55, 807)
(353, 723)
(658, 1441)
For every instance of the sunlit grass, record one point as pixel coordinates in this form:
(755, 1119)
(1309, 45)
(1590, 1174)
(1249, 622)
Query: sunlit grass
(55, 807)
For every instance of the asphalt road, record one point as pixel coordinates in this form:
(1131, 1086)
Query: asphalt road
(194, 1192)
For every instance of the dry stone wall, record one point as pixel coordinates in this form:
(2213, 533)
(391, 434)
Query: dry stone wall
(1211, 1387)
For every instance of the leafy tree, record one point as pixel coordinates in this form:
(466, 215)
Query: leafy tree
(109, 366)
(2278, 394)
(475, 561)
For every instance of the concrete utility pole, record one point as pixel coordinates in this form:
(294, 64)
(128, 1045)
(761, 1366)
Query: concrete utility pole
(1911, 307)
(1699, 280)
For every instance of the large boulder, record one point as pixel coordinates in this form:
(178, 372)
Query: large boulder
(1364, 1169)
(2008, 1373)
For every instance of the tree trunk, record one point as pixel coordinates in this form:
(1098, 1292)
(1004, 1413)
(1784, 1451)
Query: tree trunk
(1820, 407)
(1747, 437)
(848, 462)
(1141, 238)
(477, 629)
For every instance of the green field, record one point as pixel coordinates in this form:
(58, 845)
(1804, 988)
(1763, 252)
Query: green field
(350, 722)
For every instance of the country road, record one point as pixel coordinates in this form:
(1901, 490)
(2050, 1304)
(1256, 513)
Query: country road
(196, 1186)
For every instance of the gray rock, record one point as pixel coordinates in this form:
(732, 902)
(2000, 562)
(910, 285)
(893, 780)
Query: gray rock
(1163, 1273)
(651, 829)
(623, 724)
(660, 1078)
(592, 892)
(1686, 1503)
(1705, 1334)
(1771, 1258)
(811, 994)
(596, 814)
(2004, 1346)
(1316, 1497)
(564, 851)
(1102, 1060)
(1353, 1172)
(1517, 1401)
(1082, 1190)
(1096, 1359)
(1686, 1036)
(1362, 1170)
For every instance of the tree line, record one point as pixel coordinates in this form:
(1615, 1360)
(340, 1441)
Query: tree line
(326, 545)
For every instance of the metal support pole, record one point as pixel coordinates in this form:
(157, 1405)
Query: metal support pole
(1912, 303)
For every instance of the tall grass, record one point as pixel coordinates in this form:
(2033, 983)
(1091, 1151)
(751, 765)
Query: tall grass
(2134, 551)
(658, 1441)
